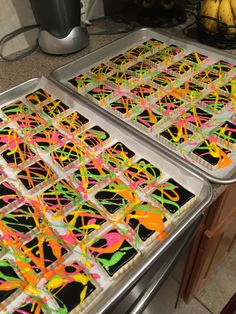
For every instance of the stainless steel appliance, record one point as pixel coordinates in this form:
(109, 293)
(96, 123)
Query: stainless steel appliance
(60, 28)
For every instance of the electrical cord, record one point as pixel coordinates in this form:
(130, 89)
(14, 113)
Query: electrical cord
(13, 34)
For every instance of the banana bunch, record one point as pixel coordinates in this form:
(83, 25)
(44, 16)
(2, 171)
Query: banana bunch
(222, 10)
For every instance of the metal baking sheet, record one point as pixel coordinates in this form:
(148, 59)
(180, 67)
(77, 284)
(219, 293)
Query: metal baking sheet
(87, 66)
(113, 289)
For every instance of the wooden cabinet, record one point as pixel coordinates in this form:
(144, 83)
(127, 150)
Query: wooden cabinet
(214, 239)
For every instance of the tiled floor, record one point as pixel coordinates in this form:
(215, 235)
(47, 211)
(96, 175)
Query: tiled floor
(216, 293)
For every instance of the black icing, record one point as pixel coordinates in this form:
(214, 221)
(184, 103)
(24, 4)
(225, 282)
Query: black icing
(125, 248)
(17, 157)
(184, 195)
(113, 154)
(55, 107)
(40, 94)
(37, 173)
(21, 219)
(112, 201)
(229, 133)
(203, 151)
(28, 308)
(48, 257)
(135, 174)
(8, 271)
(7, 194)
(174, 130)
(94, 136)
(87, 213)
(69, 295)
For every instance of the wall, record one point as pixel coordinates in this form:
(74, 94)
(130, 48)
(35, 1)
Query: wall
(15, 14)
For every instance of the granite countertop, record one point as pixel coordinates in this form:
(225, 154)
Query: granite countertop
(38, 64)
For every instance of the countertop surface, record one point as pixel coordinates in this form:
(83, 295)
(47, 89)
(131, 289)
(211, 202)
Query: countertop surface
(38, 63)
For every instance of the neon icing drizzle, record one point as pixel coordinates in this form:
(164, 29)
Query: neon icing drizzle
(212, 153)
(38, 96)
(113, 251)
(116, 196)
(172, 196)
(145, 220)
(143, 174)
(70, 286)
(83, 220)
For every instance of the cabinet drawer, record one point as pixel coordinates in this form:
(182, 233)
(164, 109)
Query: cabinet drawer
(222, 207)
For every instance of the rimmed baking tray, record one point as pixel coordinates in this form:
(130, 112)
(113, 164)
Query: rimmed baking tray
(170, 167)
(86, 65)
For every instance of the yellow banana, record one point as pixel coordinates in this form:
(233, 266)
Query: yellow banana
(226, 15)
(233, 7)
(210, 8)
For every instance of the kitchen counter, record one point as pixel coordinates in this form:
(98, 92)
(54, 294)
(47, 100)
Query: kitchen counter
(38, 63)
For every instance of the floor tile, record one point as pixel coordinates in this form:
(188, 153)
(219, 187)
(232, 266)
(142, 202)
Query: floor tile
(193, 307)
(221, 285)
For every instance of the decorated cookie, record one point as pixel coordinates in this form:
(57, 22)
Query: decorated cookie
(94, 137)
(71, 287)
(196, 117)
(211, 155)
(10, 281)
(118, 155)
(116, 196)
(43, 250)
(81, 81)
(227, 134)
(175, 135)
(60, 196)
(36, 175)
(91, 175)
(146, 220)
(142, 174)
(74, 123)
(214, 102)
(47, 139)
(55, 108)
(124, 106)
(113, 252)
(19, 155)
(84, 220)
(38, 97)
(173, 196)
(14, 109)
(69, 155)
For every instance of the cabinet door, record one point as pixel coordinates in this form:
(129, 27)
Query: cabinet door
(212, 249)
(222, 207)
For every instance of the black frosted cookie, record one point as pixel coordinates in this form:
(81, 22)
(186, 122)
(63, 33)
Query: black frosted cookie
(38, 96)
(173, 196)
(113, 246)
